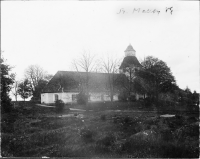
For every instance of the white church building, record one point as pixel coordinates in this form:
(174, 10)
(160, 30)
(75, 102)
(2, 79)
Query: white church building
(65, 85)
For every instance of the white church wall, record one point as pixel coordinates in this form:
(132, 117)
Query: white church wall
(95, 97)
(137, 96)
(115, 97)
(43, 98)
(50, 97)
(106, 97)
(100, 97)
(47, 98)
(70, 97)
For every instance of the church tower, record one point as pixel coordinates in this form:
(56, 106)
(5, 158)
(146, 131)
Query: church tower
(128, 67)
(130, 59)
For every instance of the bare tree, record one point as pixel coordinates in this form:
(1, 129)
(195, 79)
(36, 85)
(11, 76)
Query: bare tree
(35, 73)
(130, 72)
(85, 63)
(110, 65)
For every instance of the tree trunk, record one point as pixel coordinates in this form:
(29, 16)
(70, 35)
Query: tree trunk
(111, 96)
(16, 98)
(156, 98)
(111, 86)
(87, 92)
(111, 93)
(24, 101)
(130, 85)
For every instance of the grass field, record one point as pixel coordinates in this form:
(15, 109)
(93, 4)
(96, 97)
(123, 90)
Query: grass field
(109, 130)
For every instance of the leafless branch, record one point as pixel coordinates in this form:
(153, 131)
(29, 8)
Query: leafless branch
(35, 73)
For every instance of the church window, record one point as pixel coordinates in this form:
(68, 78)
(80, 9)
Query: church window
(74, 97)
(56, 97)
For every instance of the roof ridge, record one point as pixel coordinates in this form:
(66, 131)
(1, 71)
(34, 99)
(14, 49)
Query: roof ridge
(86, 72)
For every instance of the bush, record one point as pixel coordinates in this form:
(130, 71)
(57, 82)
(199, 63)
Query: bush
(7, 121)
(148, 102)
(127, 120)
(36, 100)
(123, 96)
(6, 105)
(192, 107)
(82, 98)
(132, 98)
(59, 106)
(140, 142)
(172, 150)
(132, 145)
(87, 135)
(106, 143)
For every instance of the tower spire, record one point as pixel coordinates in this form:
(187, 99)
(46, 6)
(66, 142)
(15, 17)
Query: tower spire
(130, 51)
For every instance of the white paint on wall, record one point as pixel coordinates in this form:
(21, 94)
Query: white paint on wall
(130, 53)
(95, 97)
(115, 97)
(67, 97)
(50, 97)
(98, 97)
(106, 97)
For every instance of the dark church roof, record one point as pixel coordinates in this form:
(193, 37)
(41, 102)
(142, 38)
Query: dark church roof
(129, 48)
(129, 61)
(70, 81)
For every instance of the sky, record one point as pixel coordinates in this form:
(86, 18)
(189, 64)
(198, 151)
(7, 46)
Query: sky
(53, 33)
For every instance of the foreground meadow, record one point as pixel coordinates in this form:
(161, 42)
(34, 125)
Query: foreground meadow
(35, 131)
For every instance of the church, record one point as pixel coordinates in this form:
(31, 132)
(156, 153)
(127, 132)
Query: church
(66, 85)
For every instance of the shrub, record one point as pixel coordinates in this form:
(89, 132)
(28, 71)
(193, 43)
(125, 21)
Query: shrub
(172, 150)
(134, 144)
(7, 122)
(127, 120)
(86, 134)
(36, 100)
(123, 96)
(132, 98)
(82, 98)
(106, 143)
(166, 134)
(59, 106)
(148, 102)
